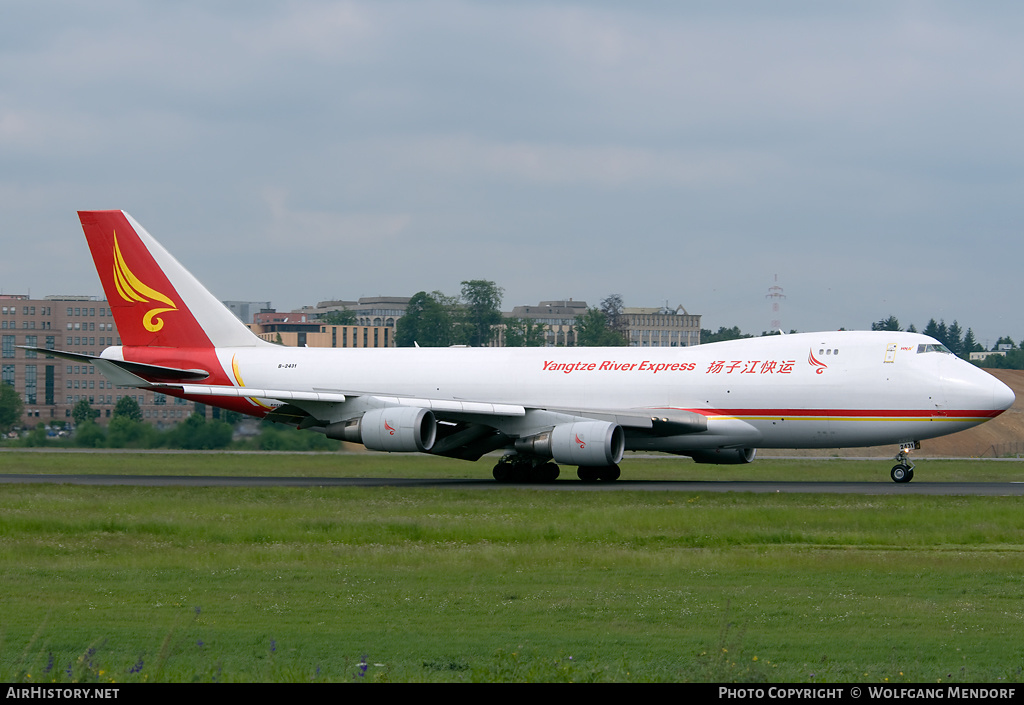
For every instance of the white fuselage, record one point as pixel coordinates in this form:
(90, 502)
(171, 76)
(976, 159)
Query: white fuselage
(812, 390)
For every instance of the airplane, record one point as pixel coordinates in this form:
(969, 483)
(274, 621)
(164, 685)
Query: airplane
(545, 407)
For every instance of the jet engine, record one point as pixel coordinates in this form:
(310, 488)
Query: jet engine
(597, 443)
(397, 429)
(724, 456)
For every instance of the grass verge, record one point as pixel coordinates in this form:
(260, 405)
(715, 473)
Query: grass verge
(369, 464)
(385, 584)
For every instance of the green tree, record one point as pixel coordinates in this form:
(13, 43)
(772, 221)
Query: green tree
(37, 437)
(11, 407)
(1013, 360)
(437, 320)
(612, 307)
(196, 433)
(89, 434)
(125, 432)
(83, 412)
(723, 333)
(970, 344)
(935, 330)
(954, 338)
(592, 330)
(339, 318)
(481, 310)
(128, 408)
(285, 438)
(127, 429)
(524, 333)
(427, 322)
(951, 336)
(891, 323)
(226, 415)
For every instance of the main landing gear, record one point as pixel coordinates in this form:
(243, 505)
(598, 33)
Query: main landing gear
(593, 473)
(523, 468)
(903, 471)
(520, 468)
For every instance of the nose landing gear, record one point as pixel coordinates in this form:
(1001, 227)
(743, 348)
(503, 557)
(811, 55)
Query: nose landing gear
(903, 471)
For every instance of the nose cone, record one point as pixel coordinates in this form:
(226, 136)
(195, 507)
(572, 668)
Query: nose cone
(1002, 396)
(970, 388)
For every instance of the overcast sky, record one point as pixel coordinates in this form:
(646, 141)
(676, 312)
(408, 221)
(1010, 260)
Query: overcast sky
(869, 154)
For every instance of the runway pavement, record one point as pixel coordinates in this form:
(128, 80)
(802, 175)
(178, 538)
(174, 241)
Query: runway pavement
(994, 489)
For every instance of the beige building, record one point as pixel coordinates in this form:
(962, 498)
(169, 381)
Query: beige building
(376, 311)
(643, 327)
(979, 356)
(317, 335)
(558, 317)
(661, 327)
(50, 388)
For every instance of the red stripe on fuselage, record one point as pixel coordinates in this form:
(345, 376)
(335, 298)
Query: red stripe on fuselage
(852, 413)
(189, 359)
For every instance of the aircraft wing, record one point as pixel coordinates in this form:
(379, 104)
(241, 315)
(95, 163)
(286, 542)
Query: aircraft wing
(469, 429)
(464, 429)
(654, 421)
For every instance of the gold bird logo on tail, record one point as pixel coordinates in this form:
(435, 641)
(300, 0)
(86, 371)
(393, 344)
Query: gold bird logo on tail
(131, 289)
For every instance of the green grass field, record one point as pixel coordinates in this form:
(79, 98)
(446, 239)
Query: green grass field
(128, 584)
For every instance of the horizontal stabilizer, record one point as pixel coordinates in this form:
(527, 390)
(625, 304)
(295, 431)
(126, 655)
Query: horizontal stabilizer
(147, 373)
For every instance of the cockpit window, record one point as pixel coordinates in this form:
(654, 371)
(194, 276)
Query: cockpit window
(933, 347)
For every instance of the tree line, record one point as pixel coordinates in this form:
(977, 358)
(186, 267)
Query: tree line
(960, 342)
(473, 318)
(437, 320)
(952, 336)
(127, 429)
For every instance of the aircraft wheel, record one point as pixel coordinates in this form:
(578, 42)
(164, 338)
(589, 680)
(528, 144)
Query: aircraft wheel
(548, 472)
(591, 473)
(901, 473)
(510, 468)
(502, 472)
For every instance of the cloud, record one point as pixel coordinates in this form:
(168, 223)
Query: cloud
(866, 153)
(311, 231)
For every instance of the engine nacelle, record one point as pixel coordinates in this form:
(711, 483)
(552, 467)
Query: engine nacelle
(597, 443)
(397, 429)
(724, 456)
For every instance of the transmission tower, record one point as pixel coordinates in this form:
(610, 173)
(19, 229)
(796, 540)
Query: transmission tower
(775, 295)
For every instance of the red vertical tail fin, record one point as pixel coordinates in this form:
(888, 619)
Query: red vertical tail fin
(156, 302)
